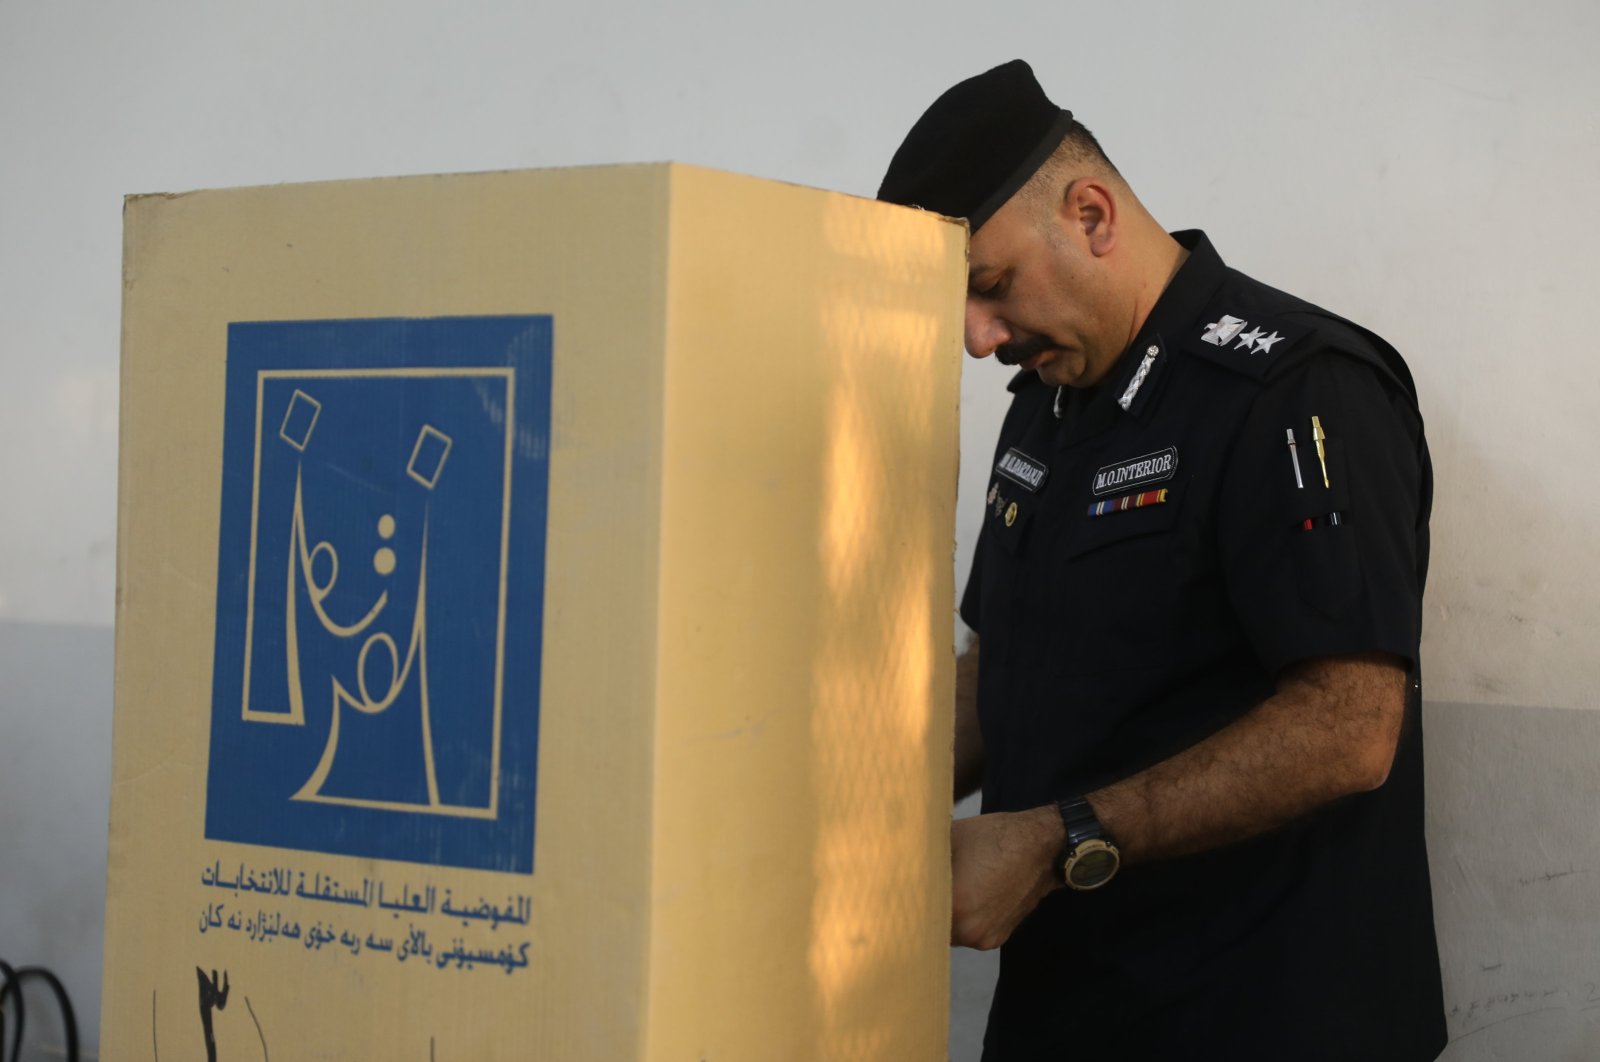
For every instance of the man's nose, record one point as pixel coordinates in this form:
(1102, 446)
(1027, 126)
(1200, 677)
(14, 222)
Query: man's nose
(984, 330)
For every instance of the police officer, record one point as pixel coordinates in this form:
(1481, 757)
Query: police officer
(1194, 705)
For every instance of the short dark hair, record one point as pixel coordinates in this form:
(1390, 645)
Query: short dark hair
(1080, 145)
(1078, 154)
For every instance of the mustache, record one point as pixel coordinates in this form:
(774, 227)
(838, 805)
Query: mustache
(1021, 350)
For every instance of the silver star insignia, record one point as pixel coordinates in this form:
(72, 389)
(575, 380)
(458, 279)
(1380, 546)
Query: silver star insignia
(1248, 339)
(1264, 344)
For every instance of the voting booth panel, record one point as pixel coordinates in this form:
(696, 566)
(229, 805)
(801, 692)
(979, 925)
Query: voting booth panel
(533, 621)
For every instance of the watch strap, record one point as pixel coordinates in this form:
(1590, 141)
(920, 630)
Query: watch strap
(1081, 824)
(1079, 821)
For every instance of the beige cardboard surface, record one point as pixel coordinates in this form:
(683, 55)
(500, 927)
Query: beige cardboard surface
(805, 617)
(743, 712)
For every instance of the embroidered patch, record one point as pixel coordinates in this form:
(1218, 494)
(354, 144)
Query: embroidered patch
(1148, 468)
(1139, 376)
(1221, 332)
(1019, 468)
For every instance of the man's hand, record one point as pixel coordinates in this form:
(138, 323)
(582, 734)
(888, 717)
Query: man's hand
(1000, 870)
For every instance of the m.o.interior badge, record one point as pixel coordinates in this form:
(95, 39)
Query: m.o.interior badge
(1136, 472)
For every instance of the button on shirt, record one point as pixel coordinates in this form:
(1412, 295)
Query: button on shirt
(1153, 554)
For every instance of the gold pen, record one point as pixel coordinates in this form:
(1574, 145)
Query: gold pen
(1322, 457)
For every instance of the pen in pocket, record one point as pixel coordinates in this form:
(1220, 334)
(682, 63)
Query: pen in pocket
(1299, 484)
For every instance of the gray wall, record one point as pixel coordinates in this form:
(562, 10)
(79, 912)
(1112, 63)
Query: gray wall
(1427, 168)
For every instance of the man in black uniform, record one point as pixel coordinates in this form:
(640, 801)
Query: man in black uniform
(1198, 597)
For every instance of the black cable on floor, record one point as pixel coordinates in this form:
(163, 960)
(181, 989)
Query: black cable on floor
(12, 987)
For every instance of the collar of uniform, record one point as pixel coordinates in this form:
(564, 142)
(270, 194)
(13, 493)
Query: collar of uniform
(1141, 369)
(1191, 289)
(1022, 379)
(1185, 296)
(1142, 366)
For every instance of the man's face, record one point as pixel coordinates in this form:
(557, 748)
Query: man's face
(1038, 297)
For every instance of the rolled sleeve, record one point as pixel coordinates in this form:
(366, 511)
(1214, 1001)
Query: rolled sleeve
(1351, 582)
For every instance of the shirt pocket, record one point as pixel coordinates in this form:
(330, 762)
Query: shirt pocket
(1116, 524)
(1324, 548)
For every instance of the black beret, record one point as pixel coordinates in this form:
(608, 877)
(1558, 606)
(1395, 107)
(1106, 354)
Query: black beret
(976, 145)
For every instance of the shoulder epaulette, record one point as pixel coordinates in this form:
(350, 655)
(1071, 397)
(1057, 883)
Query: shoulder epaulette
(1261, 332)
(1364, 345)
(1247, 341)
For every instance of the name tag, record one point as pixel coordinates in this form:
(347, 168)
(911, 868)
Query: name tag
(1019, 468)
(1136, 472)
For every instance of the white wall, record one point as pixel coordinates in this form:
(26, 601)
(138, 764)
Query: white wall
(1427, 168)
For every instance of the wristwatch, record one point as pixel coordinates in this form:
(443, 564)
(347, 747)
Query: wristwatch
(1089, 858)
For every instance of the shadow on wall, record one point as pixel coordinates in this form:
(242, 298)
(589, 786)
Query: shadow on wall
(1514, 846)
(1511, 615)
(1512, 780)
(55, 792)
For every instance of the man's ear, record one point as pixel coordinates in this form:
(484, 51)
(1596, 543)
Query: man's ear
(1089, 209)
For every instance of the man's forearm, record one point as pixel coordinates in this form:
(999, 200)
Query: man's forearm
(1328, 732)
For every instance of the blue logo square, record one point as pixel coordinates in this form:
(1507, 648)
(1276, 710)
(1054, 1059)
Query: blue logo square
(380, 588)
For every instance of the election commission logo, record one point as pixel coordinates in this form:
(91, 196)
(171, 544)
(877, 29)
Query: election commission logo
(380, 588)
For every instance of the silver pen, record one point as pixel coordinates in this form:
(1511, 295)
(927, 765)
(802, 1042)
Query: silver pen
(1294, 458)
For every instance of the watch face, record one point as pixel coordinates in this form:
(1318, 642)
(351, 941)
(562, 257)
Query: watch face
(1093, 866)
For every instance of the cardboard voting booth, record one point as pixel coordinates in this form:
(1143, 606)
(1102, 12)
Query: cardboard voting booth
(534, 621)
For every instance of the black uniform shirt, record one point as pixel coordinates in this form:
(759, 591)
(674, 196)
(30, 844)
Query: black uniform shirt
(1152, 555)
